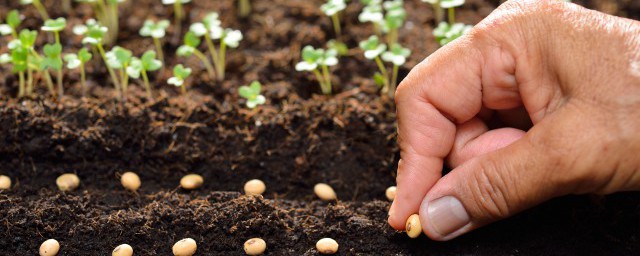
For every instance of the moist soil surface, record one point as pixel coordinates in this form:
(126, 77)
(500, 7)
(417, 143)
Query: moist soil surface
(293, 142)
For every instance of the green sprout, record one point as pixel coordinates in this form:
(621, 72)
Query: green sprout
(24, 58)
(107, 13)
(180, 74)
(79, 61)
(450, 5)
(340, 47)
(155, 30)
(394, 18)
(211, 29)
(55, 50)
(38, 5)
(397, 55)
(372, 12)
(146, 63)
(119, 59)
(190, 47)
(244, 8)
(11, 27)
(94, 34)
(252, 94)
(446, 33)
(178, 11)
(19, 60)
(373, 49)
(437, 9)
(332, 9)
(314, 59)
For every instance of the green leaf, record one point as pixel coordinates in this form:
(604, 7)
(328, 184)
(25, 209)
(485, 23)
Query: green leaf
(154, 29)
(149, 61)
(72, 61)
(84, 55)
(56, 25)
(135, 68)
(52, 50)
(185, 51)
(19, 58)
(181, 72)
(28, 37)
(13, 19)
(333, 6)
(191, 39)
(379, 79)
(211, 20)
(340, 47)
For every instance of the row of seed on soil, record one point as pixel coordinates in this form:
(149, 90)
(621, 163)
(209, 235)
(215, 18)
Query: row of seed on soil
(186, 247)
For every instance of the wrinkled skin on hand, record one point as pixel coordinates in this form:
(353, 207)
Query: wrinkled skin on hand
(564, 83)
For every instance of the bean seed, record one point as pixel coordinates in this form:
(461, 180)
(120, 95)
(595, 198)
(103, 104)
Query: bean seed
(5, 182)
(185, 247)
(391, 193)
(325, 192)
(254, 187)
(413, 227)
(68, 182)
(130, 181)
(49, 248)
(255, 246)
(191, 181)
(327, 246)
(123, 250)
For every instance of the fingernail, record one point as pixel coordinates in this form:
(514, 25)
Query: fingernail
(446, 215)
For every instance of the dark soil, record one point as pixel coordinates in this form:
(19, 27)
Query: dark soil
(293, 142)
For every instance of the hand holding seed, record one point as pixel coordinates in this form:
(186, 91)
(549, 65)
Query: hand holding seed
(519, 117)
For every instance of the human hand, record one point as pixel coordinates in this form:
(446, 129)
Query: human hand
(572, 73)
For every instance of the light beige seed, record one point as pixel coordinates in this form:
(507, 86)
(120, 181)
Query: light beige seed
(49, 248)
(255, 246)
(5, 182)
(191, 181)
(391, 193)
(123, 250)
(325, 192)
(327, 246)
(254, 187)
(413, 227)
(68, 182)
(130, 181)
(185, 247)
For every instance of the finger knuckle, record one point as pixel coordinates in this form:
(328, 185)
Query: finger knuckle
(490, 189)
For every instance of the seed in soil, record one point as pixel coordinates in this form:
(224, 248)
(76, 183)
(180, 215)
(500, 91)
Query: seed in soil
(254, 187)
(68, 182)
(325, 192)
(413, 226)
(191, 181)
(123, 250)
(49, 248)
(327, 246)
(130, 181)
(255, 246)
(185, 247)
(5, 182)
(391, 193)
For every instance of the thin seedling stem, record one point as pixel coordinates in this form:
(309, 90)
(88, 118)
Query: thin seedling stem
(394, 78)
(111, 72)
(43, 12)
(145, 79)
(21, 84)
(336, 25)
(83, 80)
(222, 56)
(383, 71)
(452, 16)
(244, 7)
(158, 45)
(205, 61)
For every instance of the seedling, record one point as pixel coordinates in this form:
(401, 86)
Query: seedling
(94, 34)
(315, 59)
(157, 31)
(185, 247)
(445, 33)
(394, 19)
(255, 246)
(398, 56)
(373, 49)
(79, 61)
(180, 74)
(244, 8)
(107, 13)
(372, 12)
(191, 182)
(49, 248)
(211, 30)
(141, 66)
(327, 246)
(450, 5)
(332, 9)
(53, 53)
(123, 250)
(252, 94)
(254, 187)
(437, 9)
(190, 47)
(130, 181)
(413, 226)
(68, 182)
(325, 192)
(340, 47)
(119, 59)
(178, 11)
(38, 5)
(11, 27)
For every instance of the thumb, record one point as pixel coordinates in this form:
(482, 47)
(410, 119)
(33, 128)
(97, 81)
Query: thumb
(499, 184)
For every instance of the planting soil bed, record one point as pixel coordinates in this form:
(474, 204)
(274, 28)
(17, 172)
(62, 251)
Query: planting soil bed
(294, 141)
